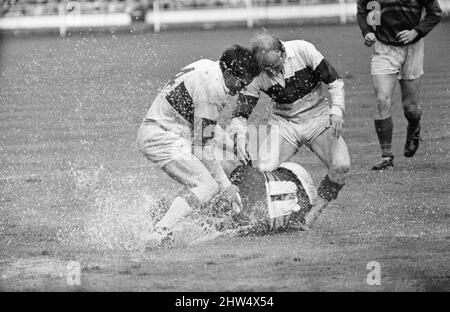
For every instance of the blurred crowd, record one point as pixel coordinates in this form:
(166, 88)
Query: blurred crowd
(52, 7)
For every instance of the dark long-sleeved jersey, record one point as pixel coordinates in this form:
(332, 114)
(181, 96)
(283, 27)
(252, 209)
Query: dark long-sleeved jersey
(388, 17)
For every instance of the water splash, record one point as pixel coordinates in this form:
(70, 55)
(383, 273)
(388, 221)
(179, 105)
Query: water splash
(112, 213)
(108, 213)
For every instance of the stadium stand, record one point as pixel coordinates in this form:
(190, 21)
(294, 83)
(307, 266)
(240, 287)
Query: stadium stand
(50, 7)
(30, 14)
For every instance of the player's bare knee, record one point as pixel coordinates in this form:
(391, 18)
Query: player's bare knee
(383, 105)
(410, 106)
(342, 169)
(339, 170)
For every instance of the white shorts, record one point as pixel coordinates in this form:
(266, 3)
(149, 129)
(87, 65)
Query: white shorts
(303, 133)
(406, 61)
(162, 146)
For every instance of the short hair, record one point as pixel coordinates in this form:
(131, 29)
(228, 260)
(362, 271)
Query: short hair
(264, 42)
(240, 61)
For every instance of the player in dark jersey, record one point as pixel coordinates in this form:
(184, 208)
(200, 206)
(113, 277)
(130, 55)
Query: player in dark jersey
(395, 29)
(275, 200)
(294, 76)
(272, 201)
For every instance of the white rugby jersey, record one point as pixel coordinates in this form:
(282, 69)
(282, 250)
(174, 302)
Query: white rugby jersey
(197, 90)
(297, 91)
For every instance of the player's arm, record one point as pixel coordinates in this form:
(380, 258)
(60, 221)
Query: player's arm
(432, 18)
(328, 75)
(361, 13)
(364, 7)
(335, 83)
(208, 158)
(238, 126)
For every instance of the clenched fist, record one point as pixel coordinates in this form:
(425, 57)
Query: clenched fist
(370, 39)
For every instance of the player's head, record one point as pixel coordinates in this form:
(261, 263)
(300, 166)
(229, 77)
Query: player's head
(239, 67)
(270, 53)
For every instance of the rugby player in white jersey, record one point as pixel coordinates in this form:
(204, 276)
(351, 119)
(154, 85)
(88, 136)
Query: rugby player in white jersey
(293, 76)
(178, 129)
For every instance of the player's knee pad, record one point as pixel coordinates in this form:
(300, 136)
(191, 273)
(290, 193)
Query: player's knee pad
(329, 189)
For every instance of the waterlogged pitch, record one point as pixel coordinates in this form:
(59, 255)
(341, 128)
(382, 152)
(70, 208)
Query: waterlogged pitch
(76, 195)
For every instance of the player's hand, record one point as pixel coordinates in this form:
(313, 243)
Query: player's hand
(337, 122)
(370, 39)
(240, 148)
(232, 194)
(407, 36)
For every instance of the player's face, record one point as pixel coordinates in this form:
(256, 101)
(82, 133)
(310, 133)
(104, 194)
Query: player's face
(237, 84)
(272, 62)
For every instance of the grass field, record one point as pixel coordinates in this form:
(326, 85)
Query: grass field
(73, 185)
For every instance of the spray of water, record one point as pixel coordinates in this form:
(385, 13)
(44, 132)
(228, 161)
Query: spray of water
(111, 213)
(108, 212)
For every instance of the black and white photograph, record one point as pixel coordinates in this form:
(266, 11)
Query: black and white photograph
(253, 147)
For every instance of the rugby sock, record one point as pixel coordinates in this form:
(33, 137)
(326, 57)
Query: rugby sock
(413, 117)
(329, 189)
(384, 128)
(176, 212)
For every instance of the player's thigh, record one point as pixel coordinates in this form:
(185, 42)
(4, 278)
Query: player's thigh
(160, 145)
(412, 67)
(410, 90)
(331, 151)
(188, 172)
(274, 150)
(384, 85)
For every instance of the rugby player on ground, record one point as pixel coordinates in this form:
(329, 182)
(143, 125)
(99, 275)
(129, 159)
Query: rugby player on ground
(177, 132)
(396, 33)
(293, 76)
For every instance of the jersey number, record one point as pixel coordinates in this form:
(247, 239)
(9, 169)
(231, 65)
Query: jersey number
(374, 16)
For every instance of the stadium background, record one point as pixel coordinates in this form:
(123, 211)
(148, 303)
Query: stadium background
(74, 187)
(66, 15)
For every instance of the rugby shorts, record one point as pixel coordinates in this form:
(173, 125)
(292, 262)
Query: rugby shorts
(162, 146)
(300, 133)
(405, 61)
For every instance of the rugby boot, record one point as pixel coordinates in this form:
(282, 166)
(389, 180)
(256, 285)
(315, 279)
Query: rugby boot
(412, 140)
(385, 163)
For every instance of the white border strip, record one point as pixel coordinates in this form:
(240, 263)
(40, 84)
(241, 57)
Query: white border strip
(69, 21)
